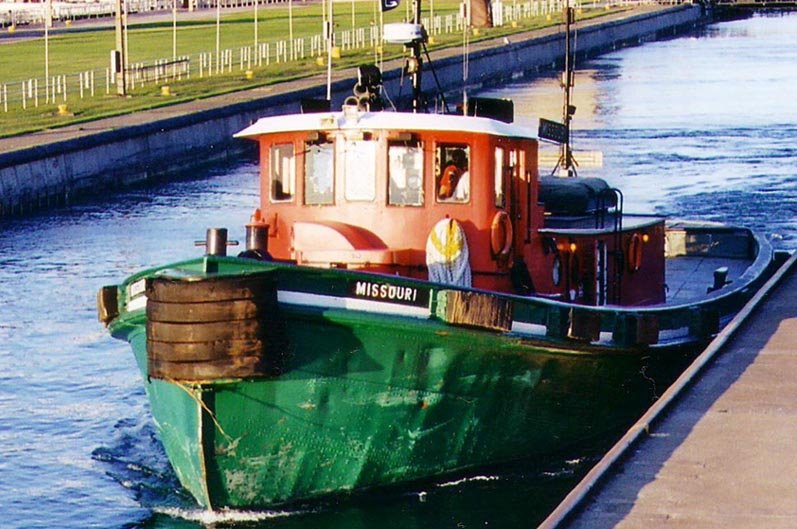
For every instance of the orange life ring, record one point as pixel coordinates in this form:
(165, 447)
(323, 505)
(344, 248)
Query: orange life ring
(633, 255)
(448, 181)
(501, 235)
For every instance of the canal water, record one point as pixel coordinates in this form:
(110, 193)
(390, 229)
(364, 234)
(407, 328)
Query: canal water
(703, 126)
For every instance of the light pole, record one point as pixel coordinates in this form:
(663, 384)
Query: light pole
(218, 36)
(120, 58)
(174, 30)
(255, 7)
(290, 27)
(330, 44)
(47, 21)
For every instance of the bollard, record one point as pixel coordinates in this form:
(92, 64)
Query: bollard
(257, 237)
(215, 242)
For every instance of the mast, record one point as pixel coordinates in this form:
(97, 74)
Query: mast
(566, 161)
(415, 63)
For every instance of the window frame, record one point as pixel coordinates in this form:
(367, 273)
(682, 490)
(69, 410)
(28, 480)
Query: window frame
(418, 146)
(308, 146)
(439, 169)
(274, 148)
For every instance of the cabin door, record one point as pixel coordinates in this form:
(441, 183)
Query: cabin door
(591, 288)
(601, 273)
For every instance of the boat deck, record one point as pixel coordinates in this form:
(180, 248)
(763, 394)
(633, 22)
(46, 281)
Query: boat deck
(717, 449)
(688, 277)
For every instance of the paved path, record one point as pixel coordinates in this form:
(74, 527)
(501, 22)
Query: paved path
(724, 455)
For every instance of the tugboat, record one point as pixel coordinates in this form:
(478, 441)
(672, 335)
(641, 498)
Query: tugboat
(415, 301)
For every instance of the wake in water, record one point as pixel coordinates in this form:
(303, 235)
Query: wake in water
(224, 516)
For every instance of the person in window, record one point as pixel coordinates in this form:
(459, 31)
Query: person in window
(455, 179)
(277, 192)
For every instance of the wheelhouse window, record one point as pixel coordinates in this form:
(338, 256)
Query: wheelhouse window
(359, 166)
(500, 194)
(452, 177)
(283, 173)
(405, 170)
(318, 173)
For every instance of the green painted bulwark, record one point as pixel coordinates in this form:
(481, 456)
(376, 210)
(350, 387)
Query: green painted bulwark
(367, 399)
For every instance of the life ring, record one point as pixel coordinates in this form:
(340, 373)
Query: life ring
(447, 258)
(501, 236)
(633, 254)
(448, 182)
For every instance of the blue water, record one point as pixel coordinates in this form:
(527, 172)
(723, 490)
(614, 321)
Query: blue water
(703, 126)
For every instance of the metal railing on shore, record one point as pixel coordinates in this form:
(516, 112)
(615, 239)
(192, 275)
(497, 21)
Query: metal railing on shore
(62, 88)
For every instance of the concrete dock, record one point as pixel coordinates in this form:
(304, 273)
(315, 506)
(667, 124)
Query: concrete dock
(718, 449)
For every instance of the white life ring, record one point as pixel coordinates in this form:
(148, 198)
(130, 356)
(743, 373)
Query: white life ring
(447, 257)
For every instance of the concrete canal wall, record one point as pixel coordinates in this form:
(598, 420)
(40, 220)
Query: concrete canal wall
(54, 167)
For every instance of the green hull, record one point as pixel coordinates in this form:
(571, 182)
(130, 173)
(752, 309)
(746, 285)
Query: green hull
(364, 399)
(366, 404)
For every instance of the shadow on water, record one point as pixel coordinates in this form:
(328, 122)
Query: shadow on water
(516, 496)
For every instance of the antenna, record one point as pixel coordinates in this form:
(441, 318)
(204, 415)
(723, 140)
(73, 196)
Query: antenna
(566, 160)
(413, 36)
(417, 60)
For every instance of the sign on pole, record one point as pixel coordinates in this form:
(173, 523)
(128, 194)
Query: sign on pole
(552, 130)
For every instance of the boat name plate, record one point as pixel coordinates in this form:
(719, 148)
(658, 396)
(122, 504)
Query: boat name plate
(401, 294)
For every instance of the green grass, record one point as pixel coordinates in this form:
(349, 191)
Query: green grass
(75, 52)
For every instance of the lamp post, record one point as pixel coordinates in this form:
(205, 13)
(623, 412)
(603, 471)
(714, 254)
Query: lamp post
(218, 36)
(290, 28)
(174, 30)
(330, 44)
(47, 21)
(120, 58)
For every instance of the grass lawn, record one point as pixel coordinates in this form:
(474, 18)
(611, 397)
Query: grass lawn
(79, 51)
